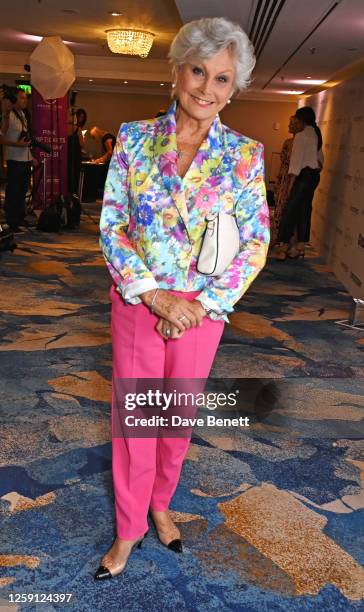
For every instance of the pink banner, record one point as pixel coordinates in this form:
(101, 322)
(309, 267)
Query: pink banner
(49, 126)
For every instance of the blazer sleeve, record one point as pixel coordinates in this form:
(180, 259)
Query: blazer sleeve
(252, 216)
(126, 267)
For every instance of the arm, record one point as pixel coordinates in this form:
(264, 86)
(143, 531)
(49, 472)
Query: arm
(296, 159)
(127, 269)
(252, 217)
(320, 159)
(107, 155)
(81, 139)
(13, 143)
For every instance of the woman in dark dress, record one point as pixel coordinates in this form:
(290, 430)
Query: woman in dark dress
(74, 148)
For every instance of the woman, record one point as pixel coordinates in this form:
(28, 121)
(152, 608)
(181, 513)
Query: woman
(304, 173)
(283, 179)
(165, 175)
(75, 145)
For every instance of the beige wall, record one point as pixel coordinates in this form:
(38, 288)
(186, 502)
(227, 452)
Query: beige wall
(253, 118)
(338, 209)
(256, 119)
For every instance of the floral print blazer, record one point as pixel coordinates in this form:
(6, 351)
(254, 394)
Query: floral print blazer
(152, 221)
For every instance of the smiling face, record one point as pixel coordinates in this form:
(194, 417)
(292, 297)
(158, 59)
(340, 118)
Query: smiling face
(203, 87)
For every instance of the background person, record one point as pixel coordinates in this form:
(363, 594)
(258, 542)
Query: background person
(304, 171)
(165, 175)
(81, 117)
(283, 178)
(75, 147)
(107, 141)
(18, 158)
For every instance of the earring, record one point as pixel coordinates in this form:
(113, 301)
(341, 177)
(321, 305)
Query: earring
(173, 85)
(229, 102)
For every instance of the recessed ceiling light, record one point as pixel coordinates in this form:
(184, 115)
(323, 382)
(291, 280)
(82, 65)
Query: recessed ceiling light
(90, 80)
(70, 11)
(307, 77)
(114, 13)
(126, 81)
(22, 76)
(161, 84)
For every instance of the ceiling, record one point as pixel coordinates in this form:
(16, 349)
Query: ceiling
(294, 39)
(85, 27)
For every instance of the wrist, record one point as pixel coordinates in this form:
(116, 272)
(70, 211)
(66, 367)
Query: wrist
(204, 308)
(147, 297)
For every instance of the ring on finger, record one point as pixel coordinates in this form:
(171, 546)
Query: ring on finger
(182, 317)
(168, 331)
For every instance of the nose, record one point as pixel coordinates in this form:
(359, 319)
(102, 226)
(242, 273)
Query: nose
(205, 86)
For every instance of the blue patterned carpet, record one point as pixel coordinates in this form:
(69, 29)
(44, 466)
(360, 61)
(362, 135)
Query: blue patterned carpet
(272, 517)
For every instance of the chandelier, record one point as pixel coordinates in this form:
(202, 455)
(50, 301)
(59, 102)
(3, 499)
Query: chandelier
(129, 41)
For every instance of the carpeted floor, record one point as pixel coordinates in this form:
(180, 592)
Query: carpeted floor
(272, 517)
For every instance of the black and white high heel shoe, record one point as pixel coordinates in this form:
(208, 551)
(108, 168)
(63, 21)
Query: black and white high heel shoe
(106, 573)
(174, 544)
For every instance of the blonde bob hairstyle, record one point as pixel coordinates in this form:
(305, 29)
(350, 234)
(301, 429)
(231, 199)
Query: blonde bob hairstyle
(203, 38)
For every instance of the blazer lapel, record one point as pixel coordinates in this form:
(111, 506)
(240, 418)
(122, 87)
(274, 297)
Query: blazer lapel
(201, 179)
(204, 176)
(209, 155)
(165, 152)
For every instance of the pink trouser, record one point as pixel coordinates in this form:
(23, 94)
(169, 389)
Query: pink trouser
(146, 470)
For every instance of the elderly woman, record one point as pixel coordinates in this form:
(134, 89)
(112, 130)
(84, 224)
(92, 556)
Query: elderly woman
(165, 176)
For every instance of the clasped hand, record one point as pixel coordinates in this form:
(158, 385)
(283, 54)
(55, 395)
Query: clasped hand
(176, 314)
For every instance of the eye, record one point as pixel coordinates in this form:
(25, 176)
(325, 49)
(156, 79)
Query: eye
(222, 79)
(197, 70)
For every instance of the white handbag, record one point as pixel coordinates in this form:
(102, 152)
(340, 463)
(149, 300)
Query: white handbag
(220, 244)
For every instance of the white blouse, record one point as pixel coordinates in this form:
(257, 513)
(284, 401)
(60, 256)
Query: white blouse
(13, 133)
(304, 151)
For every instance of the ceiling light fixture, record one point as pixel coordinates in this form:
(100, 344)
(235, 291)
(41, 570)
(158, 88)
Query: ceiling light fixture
(126, 82)
(130, 41)
(90, 80)
(311, 81)
(162, 84)
(114, 13)
(288, 91)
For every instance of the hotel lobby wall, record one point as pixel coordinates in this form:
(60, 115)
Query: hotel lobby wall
(338, 207)
(255, 118)
(265, 121)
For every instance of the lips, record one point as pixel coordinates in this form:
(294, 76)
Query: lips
(201, 101)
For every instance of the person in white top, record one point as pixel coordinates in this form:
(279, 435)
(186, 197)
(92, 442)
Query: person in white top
(304, 169)
(18, 158)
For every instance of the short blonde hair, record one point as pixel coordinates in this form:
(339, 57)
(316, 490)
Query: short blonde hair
(203, 38)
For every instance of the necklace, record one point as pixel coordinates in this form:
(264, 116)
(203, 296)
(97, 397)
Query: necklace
(181, 153)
